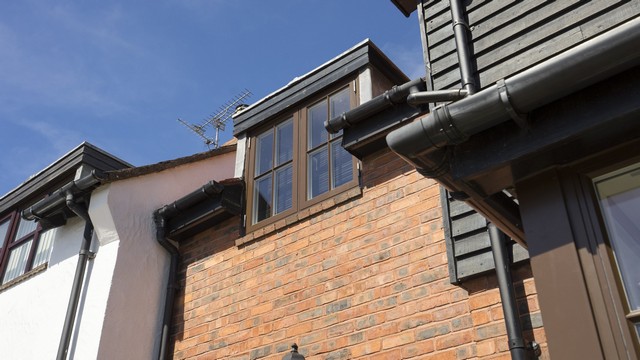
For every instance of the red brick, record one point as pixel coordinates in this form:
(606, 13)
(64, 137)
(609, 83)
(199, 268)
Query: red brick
(361, 275)
(419, 348)
(398, 340)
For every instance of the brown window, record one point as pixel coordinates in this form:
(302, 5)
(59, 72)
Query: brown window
(22, 247)
(295, 162)
(619, 197)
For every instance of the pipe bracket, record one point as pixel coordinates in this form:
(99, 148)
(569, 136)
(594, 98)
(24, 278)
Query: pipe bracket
(461, 22)
(520, 119)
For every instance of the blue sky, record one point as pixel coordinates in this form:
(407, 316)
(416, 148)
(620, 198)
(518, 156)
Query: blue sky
(118, 74)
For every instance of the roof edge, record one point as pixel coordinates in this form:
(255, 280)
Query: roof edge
(117, 175)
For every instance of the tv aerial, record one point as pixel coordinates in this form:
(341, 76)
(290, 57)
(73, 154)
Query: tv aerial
(217, 121)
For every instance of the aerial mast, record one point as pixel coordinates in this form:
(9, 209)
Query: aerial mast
(217, 120)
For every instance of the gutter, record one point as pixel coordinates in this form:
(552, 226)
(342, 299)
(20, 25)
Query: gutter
(395, 96)
(422, 142)
(43, 208)
(68, 196)
(162, 218)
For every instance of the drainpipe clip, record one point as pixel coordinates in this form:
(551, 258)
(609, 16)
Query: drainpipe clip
(88, 253)
(517, 343)
(520, 119)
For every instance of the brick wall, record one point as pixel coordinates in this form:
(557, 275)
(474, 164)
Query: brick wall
(365, 278)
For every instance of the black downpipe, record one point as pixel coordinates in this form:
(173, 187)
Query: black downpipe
(161, 218)
(161, 236)
(83, 256)
(461, 32)
(517, 345)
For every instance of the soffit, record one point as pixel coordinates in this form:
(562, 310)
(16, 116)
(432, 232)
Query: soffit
(59, 173)
(406, 6)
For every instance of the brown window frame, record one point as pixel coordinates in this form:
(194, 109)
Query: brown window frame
(602, 275)
(300, 169)
(9, 242)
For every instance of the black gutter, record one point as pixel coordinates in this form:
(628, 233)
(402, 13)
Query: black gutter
(517, 344)
(435, 96)
(161, 218)
(58, 199)
(394, 96)
(586, 64)
(69, 196)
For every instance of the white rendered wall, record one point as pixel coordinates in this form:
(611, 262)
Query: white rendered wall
(134, 309)
(121, 305)
(32, 312)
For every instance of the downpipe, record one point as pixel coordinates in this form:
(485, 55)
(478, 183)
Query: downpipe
(461, 33)
(161, 226)
(517, 345)
(83, 256)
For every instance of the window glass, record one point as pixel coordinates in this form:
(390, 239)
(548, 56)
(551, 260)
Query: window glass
(4, 228)
(318, 177)
(25, 227)
(264, 151)
(45, 244)
(342, 165)
(338, 105)
(296, 160)
(262, 199)
(16, 264)
(620, 202)
(284, 189)
(317, 115)
(619, 195)
(284, 141)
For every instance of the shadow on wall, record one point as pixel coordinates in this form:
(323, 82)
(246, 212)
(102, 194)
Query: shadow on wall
(207, 249)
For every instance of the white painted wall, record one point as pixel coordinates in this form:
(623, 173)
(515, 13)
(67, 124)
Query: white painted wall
(32, 312)
(120, 308)
(131, 327)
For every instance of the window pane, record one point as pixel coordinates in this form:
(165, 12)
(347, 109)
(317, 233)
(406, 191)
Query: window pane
(45, 244)
(4, 227)
(264, 153)
(284, 189)
(17, 261)
(284, 141)
(318, 163)
(262, 199)
(341, 163)
(316, 118)
(25, 227)
(620, 202)
(339, 103)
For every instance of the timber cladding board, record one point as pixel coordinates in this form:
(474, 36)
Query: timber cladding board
(468, 245)
(508, 37)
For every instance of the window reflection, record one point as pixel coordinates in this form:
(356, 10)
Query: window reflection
(619, 194)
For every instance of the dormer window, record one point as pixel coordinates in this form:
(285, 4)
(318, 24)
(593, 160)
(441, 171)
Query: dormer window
(294, 162)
